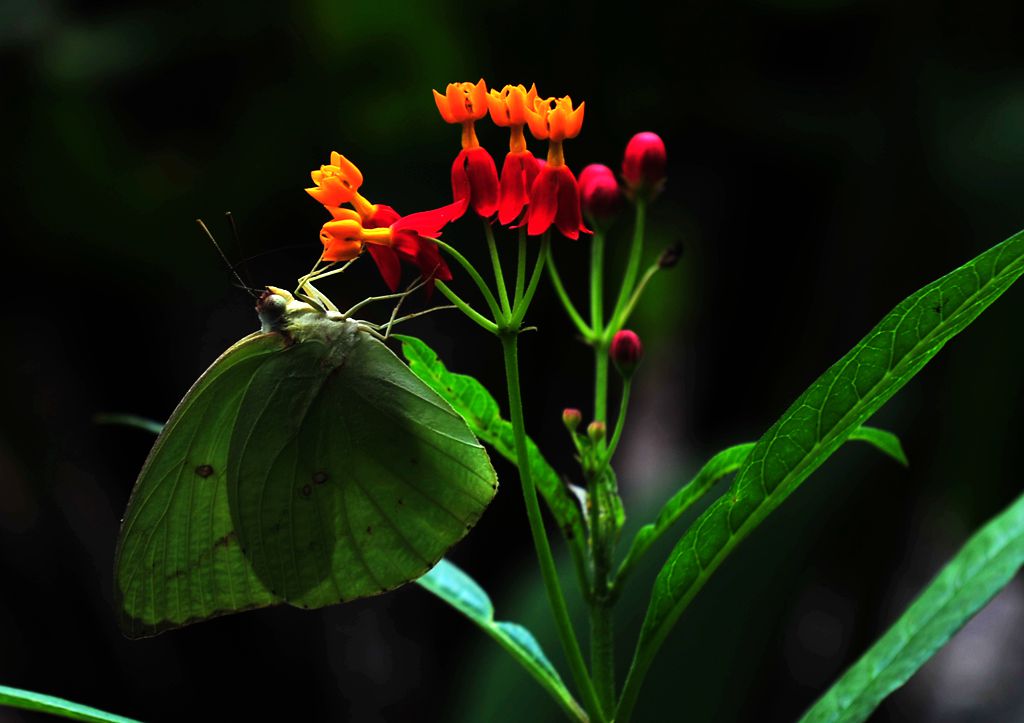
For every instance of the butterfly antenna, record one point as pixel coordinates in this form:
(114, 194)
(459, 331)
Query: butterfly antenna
(238, 247)
(224, 257)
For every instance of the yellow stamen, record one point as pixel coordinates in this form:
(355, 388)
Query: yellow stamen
(517, 141)
(555, 156)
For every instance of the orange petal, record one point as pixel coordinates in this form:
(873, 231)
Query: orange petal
(456, 103)
(442, 106)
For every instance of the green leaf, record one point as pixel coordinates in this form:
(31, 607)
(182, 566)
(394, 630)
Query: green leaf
(460, 591)
(724, 463)
(40, 703)
(130, 420)
(885, 442)
(988, 561)
(476, 405)
(820, 420)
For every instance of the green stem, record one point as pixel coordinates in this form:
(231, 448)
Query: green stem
(600, 380)
(620, 422)
(477, 279)
(540, 540)
(499, 277)
(620, 321)
(520, 268)
(520, 311)
(466, 308)
(597, 282)
(636, 252)
(574, 315)
(602, 653)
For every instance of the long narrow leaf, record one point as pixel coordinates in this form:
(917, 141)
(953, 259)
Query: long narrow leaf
(460, 591)
(476, 405)
(980, 569)
(842, 399)
(40, 703)
(724, 463)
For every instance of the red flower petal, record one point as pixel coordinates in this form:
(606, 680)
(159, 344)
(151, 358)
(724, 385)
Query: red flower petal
(430, 223)
(383, 216)
(387, 263)
(543, 201)
(518, 173)
(475, 177)
(568, 218)
(555, 198)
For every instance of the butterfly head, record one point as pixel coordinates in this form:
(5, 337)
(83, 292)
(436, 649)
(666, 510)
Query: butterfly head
(276, 306)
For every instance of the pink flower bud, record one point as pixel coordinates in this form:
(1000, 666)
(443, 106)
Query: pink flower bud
(596, 431)
(599, 193)
(643, 165)
(626, 352)
(571, 418)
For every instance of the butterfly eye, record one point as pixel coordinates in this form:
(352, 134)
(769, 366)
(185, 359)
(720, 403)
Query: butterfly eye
(271, 308)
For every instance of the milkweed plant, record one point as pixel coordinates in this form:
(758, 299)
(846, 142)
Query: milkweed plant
(242, 505)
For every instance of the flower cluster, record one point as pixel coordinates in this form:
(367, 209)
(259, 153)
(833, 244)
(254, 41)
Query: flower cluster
(529, 193)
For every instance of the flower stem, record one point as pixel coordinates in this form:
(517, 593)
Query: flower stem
(499, 277)
(574, 315)
(623, 317)
(466, 308)
(477, 279)
(549, 572)
(636, 252)
(538, 268)
(520, 266)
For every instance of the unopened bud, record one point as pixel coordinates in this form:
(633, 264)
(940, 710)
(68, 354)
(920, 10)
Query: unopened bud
(670, 256)
(626, 352)
(571, 418)
(600, 197)
(596, 430)
(643, 165)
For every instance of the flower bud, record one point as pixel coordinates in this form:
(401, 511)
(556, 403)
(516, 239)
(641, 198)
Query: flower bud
(599, 193)
(643, 165)
(571, 418)
(626, 352)
(596, 431)
(670, 256)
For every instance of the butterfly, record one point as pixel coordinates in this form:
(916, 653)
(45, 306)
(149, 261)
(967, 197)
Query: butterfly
(308, 466)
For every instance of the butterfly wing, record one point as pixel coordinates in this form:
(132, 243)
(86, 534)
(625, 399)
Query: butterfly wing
(349, 476)
(178, 558)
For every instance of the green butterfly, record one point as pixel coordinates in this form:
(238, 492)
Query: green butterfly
(308, 465)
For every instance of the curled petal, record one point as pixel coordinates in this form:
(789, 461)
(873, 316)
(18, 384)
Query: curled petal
(442, 106)
(517, 176)
(475, 177)
(383, 216)
(555, 198)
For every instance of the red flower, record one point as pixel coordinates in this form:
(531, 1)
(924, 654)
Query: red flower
(517, 176)
(626, 351)
(555, 198)
(599, 193)
(643, 165)
(475, 179)
(391, 238)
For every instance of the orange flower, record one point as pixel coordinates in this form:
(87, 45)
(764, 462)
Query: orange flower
(509, 106)
(336, 183)
(462, 102)
(555, 194)
(555, 119)
(474, 175)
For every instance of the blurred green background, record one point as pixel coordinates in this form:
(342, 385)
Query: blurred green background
(825, 160)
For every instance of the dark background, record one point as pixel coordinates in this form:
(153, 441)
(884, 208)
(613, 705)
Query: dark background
(826, 159)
